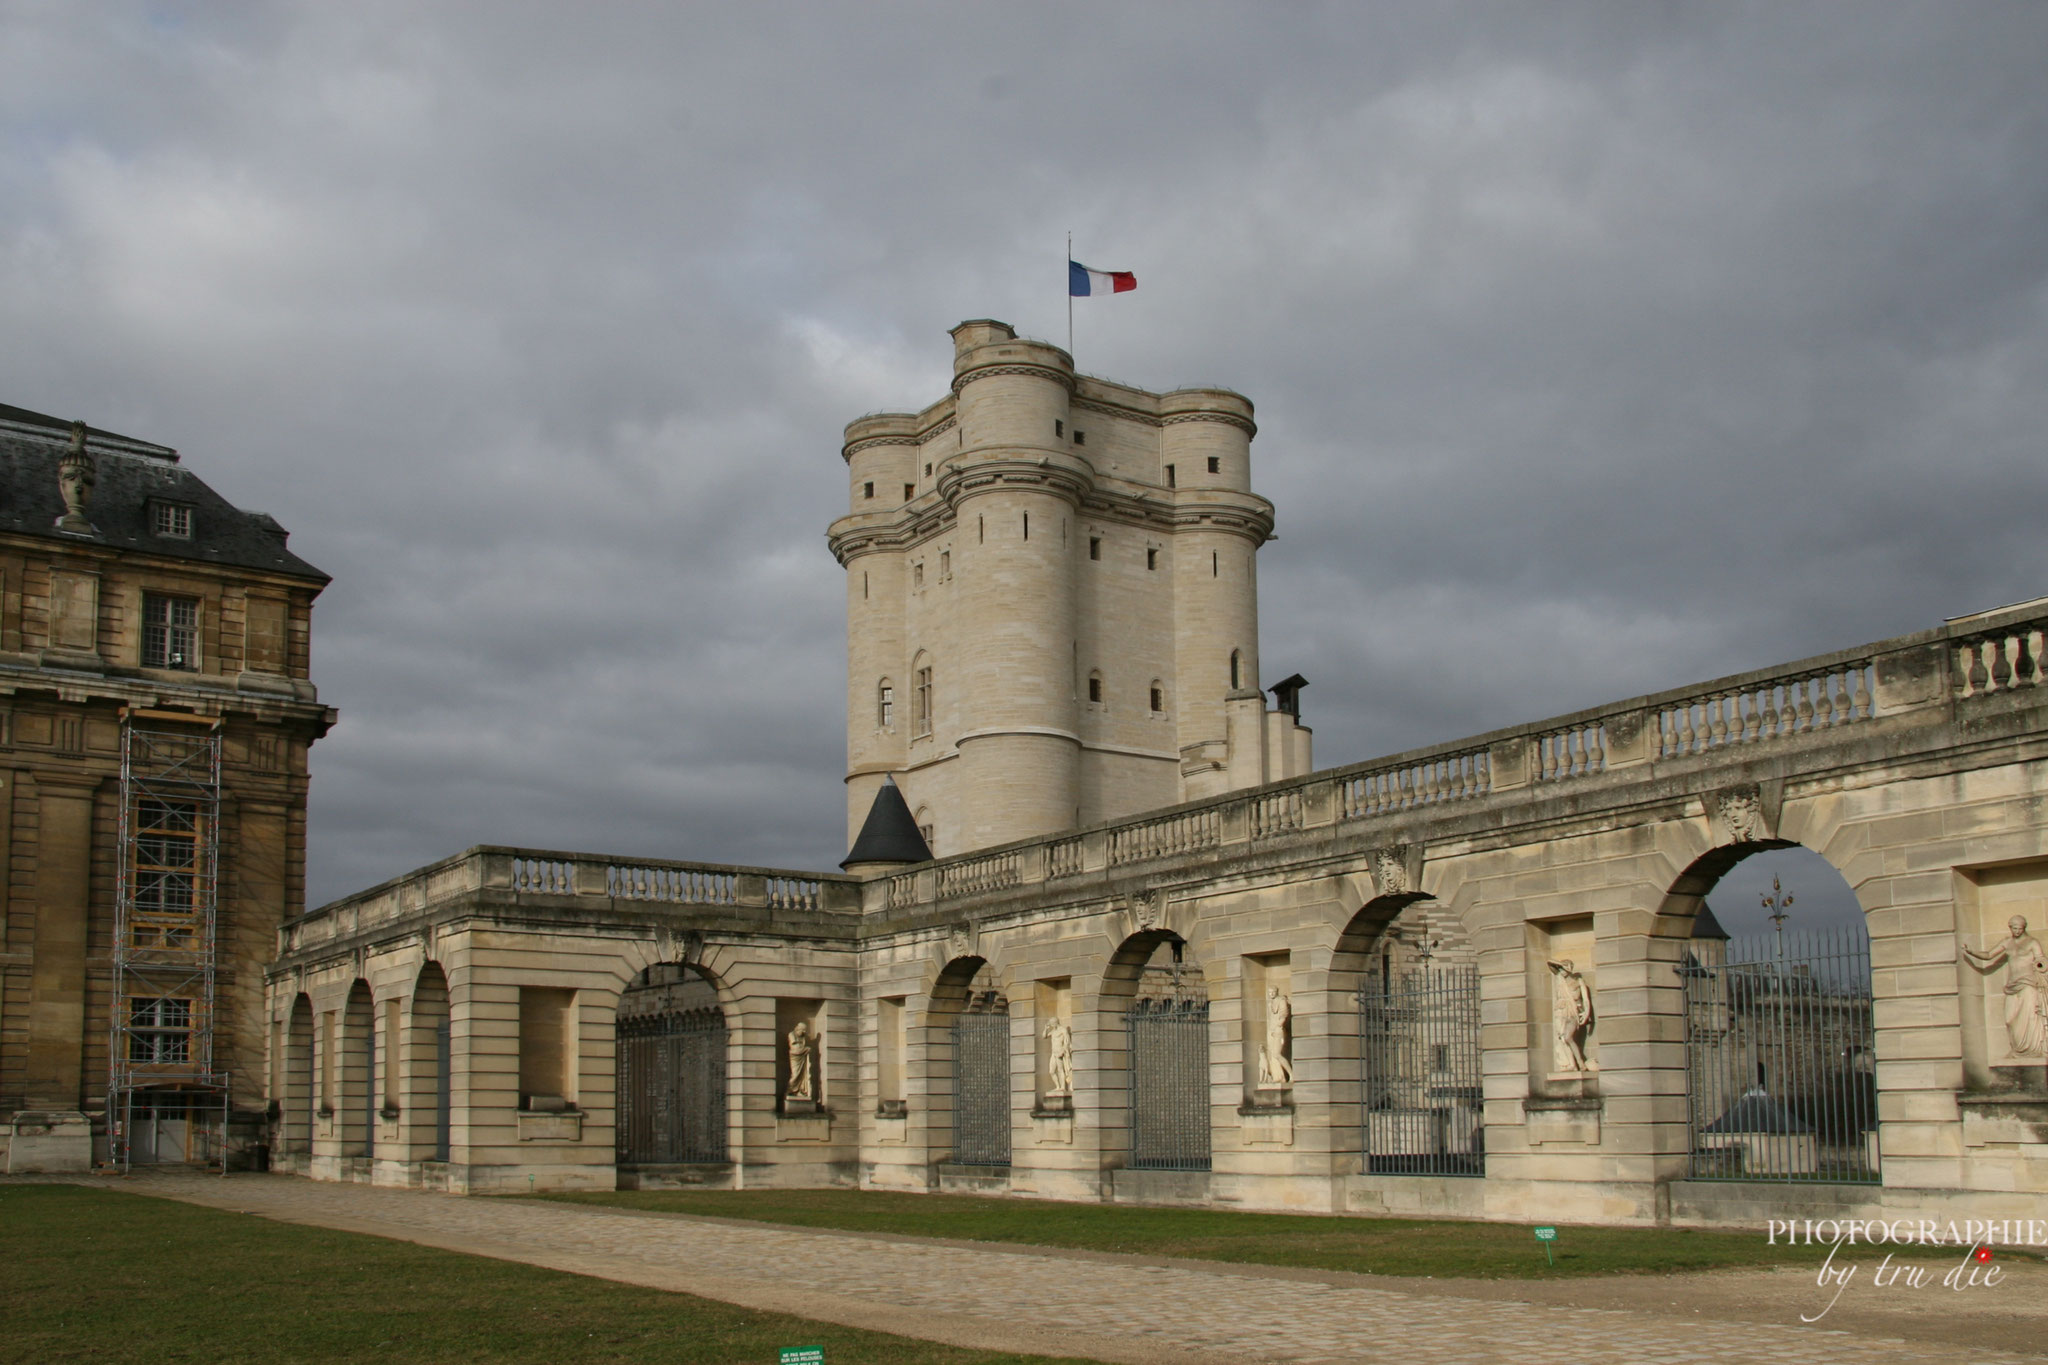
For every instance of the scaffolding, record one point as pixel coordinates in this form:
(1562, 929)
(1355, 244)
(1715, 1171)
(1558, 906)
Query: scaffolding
(166, 1102)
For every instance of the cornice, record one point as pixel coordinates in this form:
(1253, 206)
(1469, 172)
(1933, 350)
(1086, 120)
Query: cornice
(1251, 518)
(1229, 419)
(21, 677)
(1063, 378)
(937, 429)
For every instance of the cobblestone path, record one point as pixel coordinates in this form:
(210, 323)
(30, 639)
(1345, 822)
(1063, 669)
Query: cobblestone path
(1057, 1303)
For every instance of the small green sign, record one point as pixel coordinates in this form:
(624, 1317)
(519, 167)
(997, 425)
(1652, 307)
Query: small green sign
(1546, 1234)
(802, 1355)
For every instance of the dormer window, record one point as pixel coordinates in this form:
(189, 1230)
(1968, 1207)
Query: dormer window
(172, 519)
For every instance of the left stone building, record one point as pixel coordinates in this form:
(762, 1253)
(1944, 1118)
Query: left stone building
(155, 716)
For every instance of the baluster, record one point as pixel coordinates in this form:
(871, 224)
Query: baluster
(1717, 722)
(1860, 699)
(1976, 674)
(1685, 733)
(1667, 734)
(1803, 689)
(1823, 702)
(2001, 671)
(1596, 749)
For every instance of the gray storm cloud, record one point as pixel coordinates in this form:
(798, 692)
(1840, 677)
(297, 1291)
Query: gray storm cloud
(1595, 350)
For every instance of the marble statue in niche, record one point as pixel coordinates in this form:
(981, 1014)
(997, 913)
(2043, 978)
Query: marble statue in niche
(2026, 986)
(802, 1074)
(1059, 1059)
(1571, 1017)
(1276, 1067)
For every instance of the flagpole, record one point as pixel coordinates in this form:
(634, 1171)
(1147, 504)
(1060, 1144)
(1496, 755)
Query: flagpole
(1070, 296)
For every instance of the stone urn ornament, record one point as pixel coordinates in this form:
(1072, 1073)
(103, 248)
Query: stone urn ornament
(76, 475)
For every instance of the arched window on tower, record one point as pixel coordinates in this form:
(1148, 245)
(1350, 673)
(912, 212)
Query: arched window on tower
(1236, 669)
(885, 705)
(1095, 686)
(926, 828)
(921, 698)
(1158, 691)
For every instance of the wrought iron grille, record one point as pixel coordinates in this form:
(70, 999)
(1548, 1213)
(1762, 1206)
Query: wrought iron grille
(1780, 1058)
(671, 1075)
(444, 1088)
(1419, 1056)
(981, 1083)
(1169, 1071)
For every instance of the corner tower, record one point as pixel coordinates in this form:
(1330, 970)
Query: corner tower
(1052, 596)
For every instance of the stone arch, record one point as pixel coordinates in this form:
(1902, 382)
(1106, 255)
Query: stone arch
(672, 1055)
(965, 983)
(1153, 989)
(429, 1060)
(298, 1101)
(355, 1102)
(1406, 1050)
(1777, 1021)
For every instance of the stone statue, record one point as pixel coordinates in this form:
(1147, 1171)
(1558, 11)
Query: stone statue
(76, 475)
(1059, 1059)
(1571, 1016)
(1275, 1070)
(802, 1080)
(2026, 986)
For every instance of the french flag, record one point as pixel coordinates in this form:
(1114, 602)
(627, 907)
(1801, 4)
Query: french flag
(1085, 283)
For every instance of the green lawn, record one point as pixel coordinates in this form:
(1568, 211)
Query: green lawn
(1379, 1246)
(101, 1275)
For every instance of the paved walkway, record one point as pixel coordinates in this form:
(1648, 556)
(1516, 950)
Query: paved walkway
(1103, 1307)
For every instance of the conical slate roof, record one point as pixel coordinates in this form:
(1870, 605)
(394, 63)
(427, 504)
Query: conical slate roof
(889, 834)
(1704, 925)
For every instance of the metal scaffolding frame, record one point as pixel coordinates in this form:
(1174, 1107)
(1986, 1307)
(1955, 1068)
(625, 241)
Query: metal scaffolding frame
(164, 1094)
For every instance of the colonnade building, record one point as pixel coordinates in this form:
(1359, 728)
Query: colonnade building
(1105, 933)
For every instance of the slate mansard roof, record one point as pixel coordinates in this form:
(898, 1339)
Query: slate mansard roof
(130, 474)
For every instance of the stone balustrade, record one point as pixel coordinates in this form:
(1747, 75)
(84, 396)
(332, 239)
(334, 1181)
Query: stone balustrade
(1810, 701)
(518, 873)
(2000, 660)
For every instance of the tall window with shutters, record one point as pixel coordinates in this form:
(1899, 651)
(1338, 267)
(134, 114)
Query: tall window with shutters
(921, 705)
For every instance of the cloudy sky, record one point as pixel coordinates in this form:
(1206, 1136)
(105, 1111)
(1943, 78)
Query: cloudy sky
(1596, 349)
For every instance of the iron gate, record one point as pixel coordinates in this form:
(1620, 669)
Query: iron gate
(1169, 1070)
(444, 1088)
(671, 1076)
(1780, 1058)
(981, 1083)
(1419, 1057)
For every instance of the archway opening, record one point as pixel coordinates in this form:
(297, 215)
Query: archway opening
(1165, 1051)
(295, 1105)
(358, 1108)
(1781, 1076)
(430, 1057)
(671, 1060)
(968, 1065)
(1418, 1105)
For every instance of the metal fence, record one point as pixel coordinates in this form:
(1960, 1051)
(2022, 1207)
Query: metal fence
(1780, 1058)
(981, 1082)
(1419, 1057)
(1169, 1071)
(671, 1074)
(444, 1088)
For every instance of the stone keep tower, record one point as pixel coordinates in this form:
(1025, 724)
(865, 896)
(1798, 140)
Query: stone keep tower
(1052, 600)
